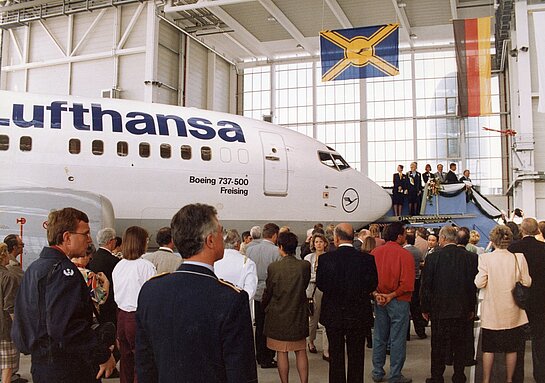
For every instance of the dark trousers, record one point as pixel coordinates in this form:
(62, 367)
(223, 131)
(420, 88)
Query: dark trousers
(126, 335)
(443, 333)
(67, 369)
(354, 340)
(416, 313)
(537, 331)
(263, 355)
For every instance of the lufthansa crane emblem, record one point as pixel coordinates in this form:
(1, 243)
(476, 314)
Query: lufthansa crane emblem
(351, 200)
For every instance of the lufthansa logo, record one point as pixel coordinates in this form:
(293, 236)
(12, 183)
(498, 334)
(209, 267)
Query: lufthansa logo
(351, 200)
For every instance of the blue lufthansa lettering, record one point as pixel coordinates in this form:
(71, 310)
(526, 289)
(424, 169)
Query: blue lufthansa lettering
(98, 113)
(162, 122)
(201, 124)
(147, 120)
(37, 116)
(231, 133)
(137, 123)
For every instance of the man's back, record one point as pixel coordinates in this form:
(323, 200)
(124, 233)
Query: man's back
(395, 269)
(164, 261)
(237, 269)
(205, 333)
(447, 284)
(346, 277)
(263, 254)
(534, 252)
(104, 261)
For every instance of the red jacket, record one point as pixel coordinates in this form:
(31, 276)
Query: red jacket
(395, 268)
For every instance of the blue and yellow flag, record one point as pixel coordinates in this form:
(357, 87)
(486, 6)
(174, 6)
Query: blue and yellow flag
(360, 52)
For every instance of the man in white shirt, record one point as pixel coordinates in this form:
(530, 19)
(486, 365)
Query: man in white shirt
(164, 259)
(235, 267)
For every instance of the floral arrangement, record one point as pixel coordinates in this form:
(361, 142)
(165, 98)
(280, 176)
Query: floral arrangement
(434, 187)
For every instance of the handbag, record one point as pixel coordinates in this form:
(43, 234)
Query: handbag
(520, 292)
(310, 303)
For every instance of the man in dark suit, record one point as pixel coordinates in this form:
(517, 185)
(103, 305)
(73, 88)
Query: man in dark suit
(534, 252)
(414, 189)
(452, 178)
(448, 298)
(104, 261)
(191, 326)
(347, 278)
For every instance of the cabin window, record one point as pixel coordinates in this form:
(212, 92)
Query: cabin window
(122, 149)
(97, 147)
(206, 153)
(144, 149)
(225, 154)
(165, 151)
(243, 156)
(185, 152)
(74, 146)
(4, 142)
(25, 144)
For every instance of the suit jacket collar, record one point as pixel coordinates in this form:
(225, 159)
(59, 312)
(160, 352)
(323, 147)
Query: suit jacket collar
(196, 269)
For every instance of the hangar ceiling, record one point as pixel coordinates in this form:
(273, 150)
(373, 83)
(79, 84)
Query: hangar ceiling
(251, 30)
(256, 30)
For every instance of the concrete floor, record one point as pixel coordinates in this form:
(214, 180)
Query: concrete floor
(417, 365)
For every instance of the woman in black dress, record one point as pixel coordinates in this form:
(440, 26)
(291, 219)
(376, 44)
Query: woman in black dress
(398, 194)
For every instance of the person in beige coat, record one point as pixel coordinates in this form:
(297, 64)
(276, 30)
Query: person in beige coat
(501, 318)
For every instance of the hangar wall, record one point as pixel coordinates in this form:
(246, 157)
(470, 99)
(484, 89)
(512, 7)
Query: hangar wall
(127, 50)
(528, 145)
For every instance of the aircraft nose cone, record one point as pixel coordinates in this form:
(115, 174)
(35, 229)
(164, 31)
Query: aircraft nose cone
(378, 201)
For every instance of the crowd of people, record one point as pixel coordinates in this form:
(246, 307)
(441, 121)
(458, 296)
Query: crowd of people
(185, 316)
(409, 187)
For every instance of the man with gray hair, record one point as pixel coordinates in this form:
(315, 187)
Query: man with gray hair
(235, 267)
(255, 233)
(448, 298)
(534, 252)
(191, 326)
(104, 261)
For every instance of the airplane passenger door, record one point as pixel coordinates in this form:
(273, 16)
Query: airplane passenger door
(275, 164)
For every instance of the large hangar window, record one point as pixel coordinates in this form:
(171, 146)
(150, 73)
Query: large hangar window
(378, 123)
(97, 147)
(165, 151)
(25, 144)
(74, 146)
(4, 142)
(185, 152)
(144, 149)
(122, 149)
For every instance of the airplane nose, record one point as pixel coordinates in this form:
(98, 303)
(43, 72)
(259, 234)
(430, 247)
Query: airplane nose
(379, 201)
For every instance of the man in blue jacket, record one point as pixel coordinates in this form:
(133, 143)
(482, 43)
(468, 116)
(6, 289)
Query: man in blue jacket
(54, 312)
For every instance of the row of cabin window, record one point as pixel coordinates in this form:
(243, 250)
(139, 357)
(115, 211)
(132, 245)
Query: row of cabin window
(97, 148)
(144, 149)
(25, 143)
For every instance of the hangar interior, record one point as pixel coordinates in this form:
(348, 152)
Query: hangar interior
(260, 58)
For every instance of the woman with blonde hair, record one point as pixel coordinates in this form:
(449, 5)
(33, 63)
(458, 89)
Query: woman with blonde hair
(9, 355)
(502, 320)
(128, 277)
(319, 245)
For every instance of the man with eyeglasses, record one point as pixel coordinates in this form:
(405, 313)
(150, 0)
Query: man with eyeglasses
(54, 312)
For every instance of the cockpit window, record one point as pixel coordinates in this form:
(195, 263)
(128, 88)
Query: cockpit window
(334, 161)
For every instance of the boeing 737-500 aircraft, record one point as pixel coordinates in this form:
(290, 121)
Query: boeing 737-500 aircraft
(143, 162)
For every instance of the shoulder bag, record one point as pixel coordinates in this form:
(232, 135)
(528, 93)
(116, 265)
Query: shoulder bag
(520, 292)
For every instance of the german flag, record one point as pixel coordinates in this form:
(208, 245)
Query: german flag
(472, 41)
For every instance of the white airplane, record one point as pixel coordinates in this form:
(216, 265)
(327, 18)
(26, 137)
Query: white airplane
(146, 161)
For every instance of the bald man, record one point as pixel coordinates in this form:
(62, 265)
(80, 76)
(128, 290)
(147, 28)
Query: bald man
(346, 277)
